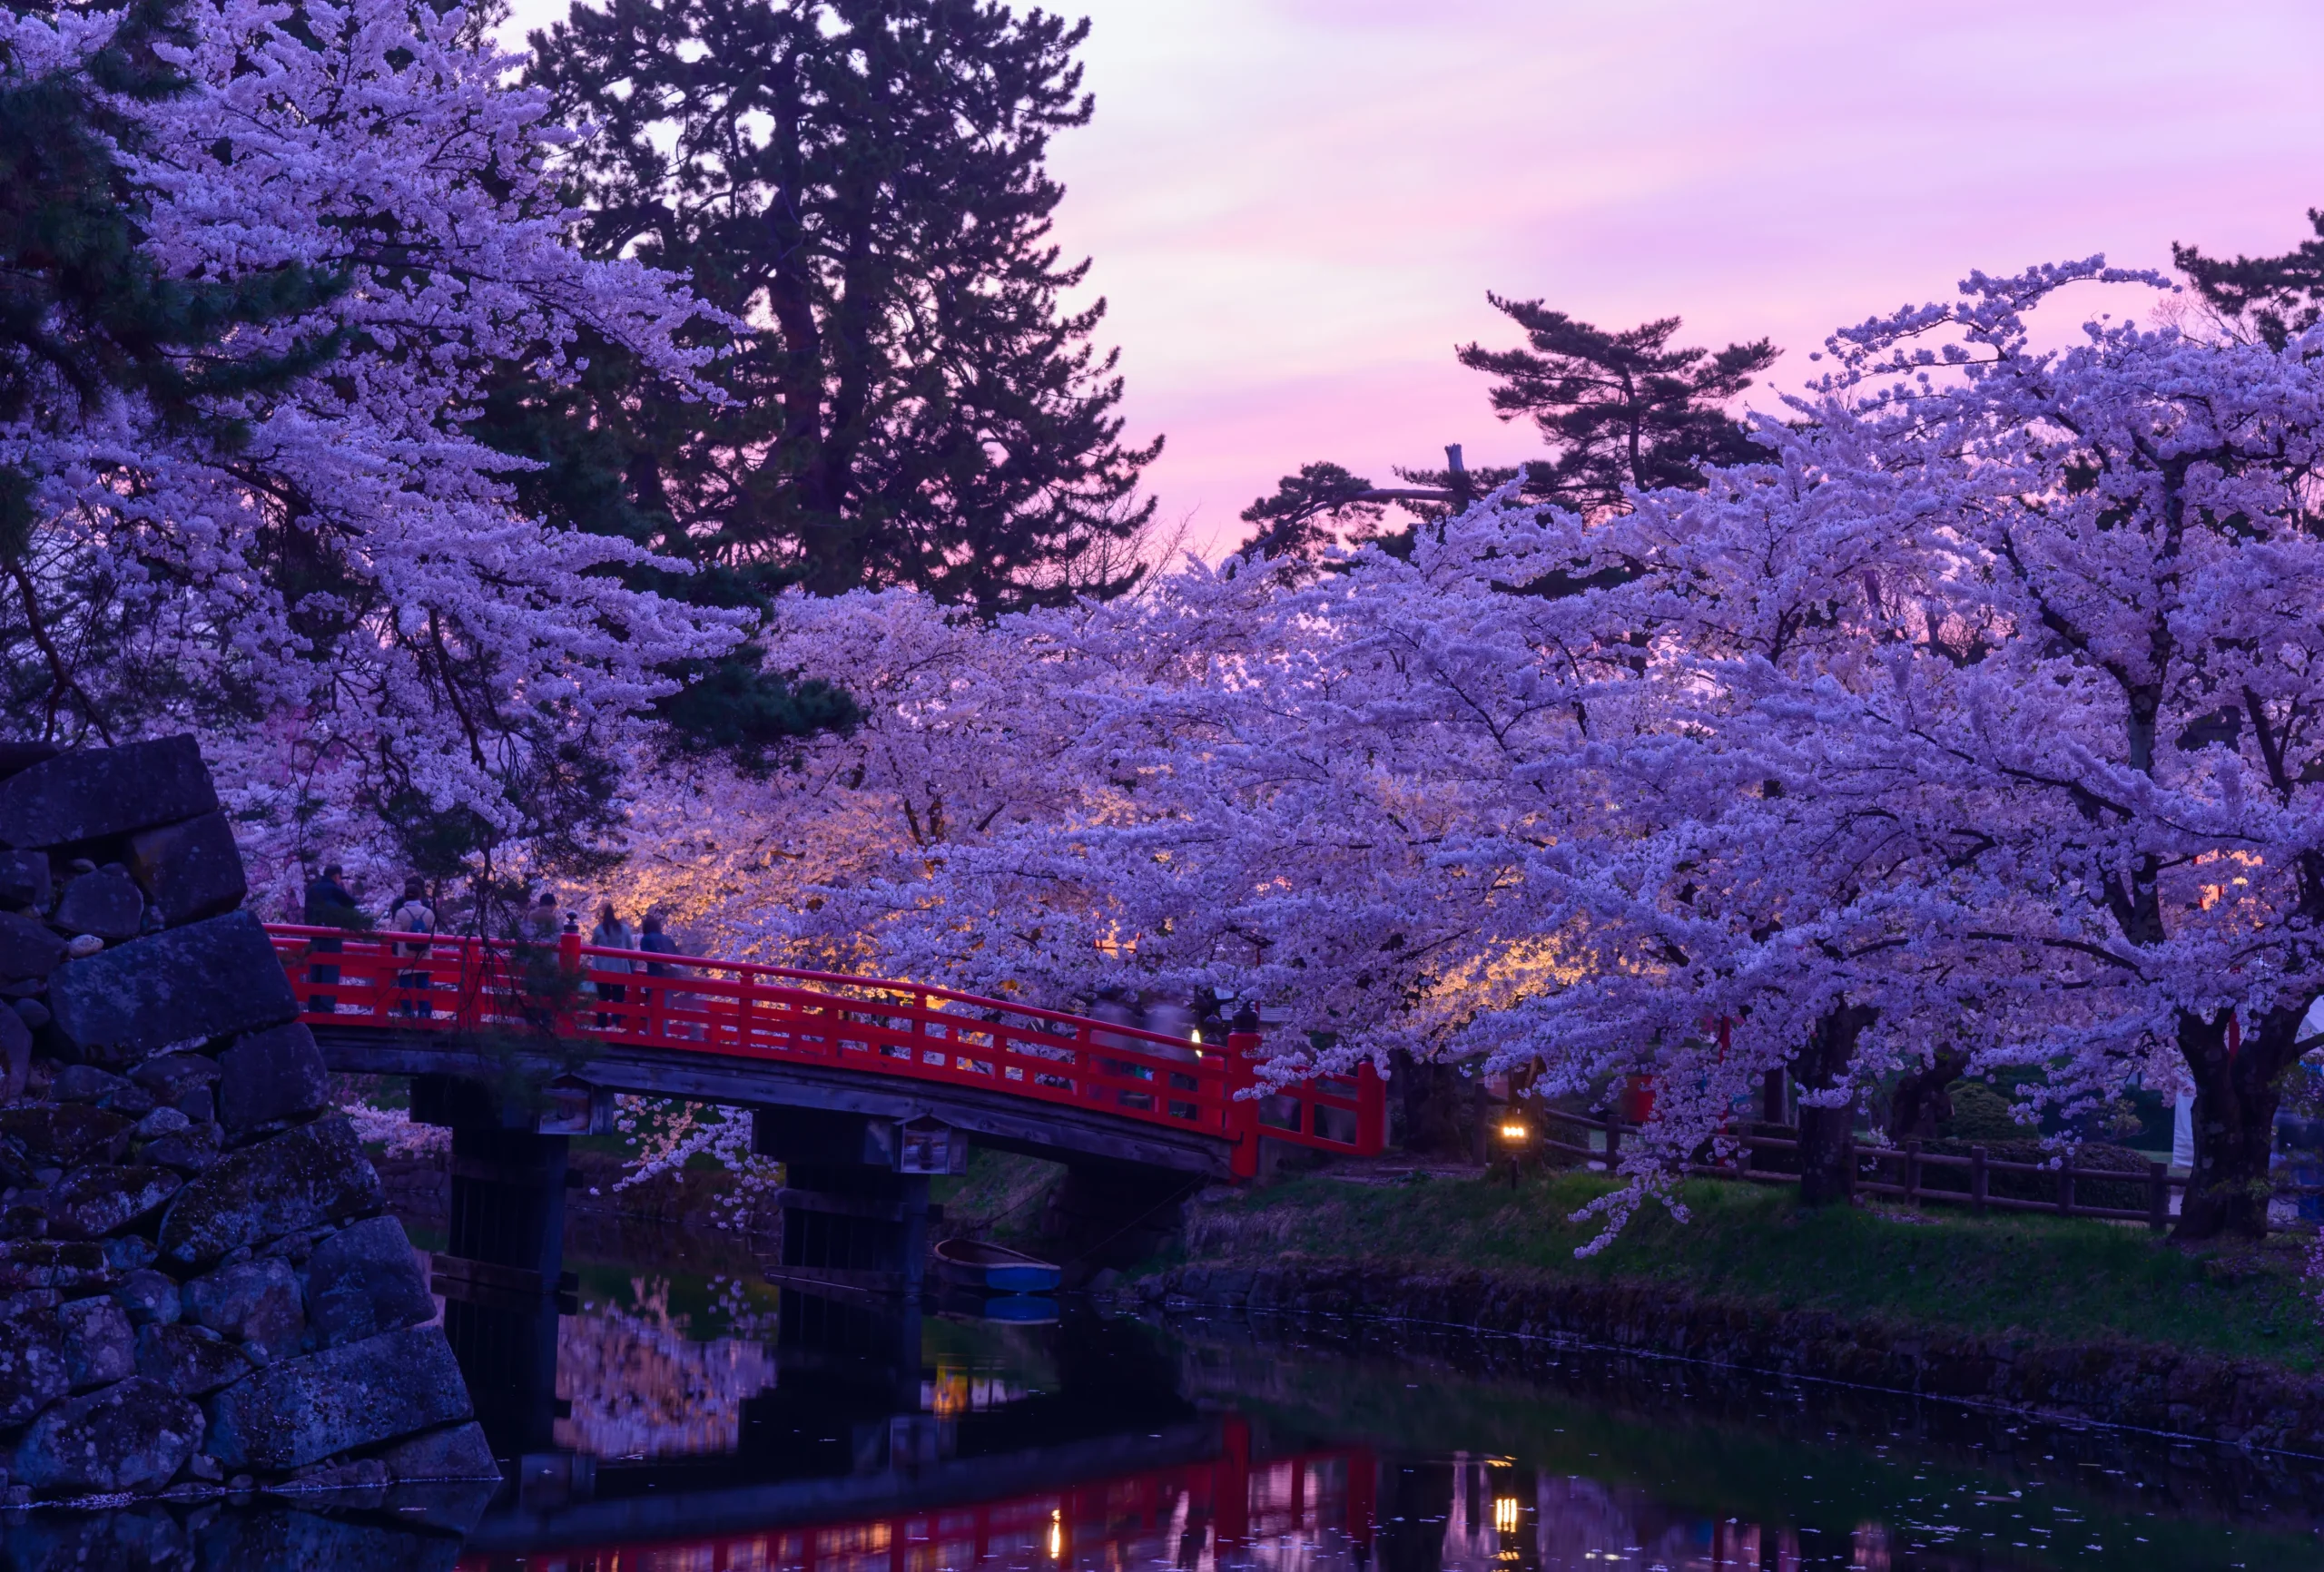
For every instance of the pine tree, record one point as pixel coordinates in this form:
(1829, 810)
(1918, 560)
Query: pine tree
(859, 186)
(2278, 296)
(594, 464)
(1618, 410)
(1291, 522)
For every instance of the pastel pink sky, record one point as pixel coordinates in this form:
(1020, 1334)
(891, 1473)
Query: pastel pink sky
(1296, 207)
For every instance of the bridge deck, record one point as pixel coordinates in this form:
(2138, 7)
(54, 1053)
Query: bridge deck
(1012, 1074)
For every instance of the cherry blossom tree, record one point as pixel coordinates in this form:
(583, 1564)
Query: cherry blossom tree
(2032, 780)
(1970, 730)
(2113, 702)
(326, 574)
(960, 730)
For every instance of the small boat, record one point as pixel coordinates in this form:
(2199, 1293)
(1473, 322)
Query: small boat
(974, 1304)
(1019, 1309)
(970, 1263)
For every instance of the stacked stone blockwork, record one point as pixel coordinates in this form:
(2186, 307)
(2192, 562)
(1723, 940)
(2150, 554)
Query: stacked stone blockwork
(198, 1291)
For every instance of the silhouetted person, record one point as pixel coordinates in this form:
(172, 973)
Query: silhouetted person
(653, 941)
(611, 933)
(413, 915)
(330, 904)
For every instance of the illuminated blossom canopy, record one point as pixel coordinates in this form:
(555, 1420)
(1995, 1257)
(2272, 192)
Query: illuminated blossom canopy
(1978, 716)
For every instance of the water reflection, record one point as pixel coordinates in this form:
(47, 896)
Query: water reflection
(884, 1440)
(702, 1421)
(1495, 1517)
(636, 1383)
(1275, 1515)
(1513, 1453)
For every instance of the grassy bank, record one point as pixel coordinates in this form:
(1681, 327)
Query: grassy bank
(2052, 1280)
(1003, 1198)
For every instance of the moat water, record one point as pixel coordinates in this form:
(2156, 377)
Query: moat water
(700, 1421)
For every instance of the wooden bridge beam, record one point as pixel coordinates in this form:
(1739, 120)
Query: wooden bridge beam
(1003, 1121)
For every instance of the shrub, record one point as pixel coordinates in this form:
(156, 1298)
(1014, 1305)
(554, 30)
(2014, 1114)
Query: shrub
(1982, 1115)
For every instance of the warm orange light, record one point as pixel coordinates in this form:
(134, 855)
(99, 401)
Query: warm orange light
(1056, 1533)
(1513, 1132)
(948, 1394)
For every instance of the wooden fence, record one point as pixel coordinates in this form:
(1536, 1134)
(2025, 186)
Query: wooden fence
(1902, 1171)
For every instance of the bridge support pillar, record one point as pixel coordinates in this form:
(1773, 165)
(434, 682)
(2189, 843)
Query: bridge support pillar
(502, 1270)
(854, 1225)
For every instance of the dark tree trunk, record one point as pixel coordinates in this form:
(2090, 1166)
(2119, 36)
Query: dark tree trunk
(1444, 1110)
(1825, 1132)
(1771, 1099)
(2236, 1096)
(1921, 1102)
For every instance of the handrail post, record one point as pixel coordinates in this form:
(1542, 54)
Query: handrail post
(378, 1001)
(1371, 1112)
(1613, 1142)
(1977, 1180)
(492, 985)
(568, 972)
(1847, 1169)
(1912, 1169)
(1242, 1113)
(2158, 1197)
(2065, 1189)
(465, 982)
(1231, 1488)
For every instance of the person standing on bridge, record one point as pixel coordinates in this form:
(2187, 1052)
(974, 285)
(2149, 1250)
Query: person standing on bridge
(611, 933)
(1114, 1010)
(1173, 1020)
(329, 905)
(653, 941)
(413, 915)
(536, 930)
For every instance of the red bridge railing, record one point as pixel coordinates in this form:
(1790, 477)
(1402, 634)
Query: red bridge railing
(415, 982)
(1224, 1506)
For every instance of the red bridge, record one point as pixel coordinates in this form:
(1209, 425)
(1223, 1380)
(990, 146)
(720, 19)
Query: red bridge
(1008, 1074)
(1206, 1512)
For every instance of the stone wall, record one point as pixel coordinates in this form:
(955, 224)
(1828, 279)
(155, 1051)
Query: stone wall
(199, 1290)
(2243, 1402)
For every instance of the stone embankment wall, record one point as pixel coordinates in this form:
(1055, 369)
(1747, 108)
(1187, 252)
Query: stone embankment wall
(199, 1291)
(2238, 1401)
